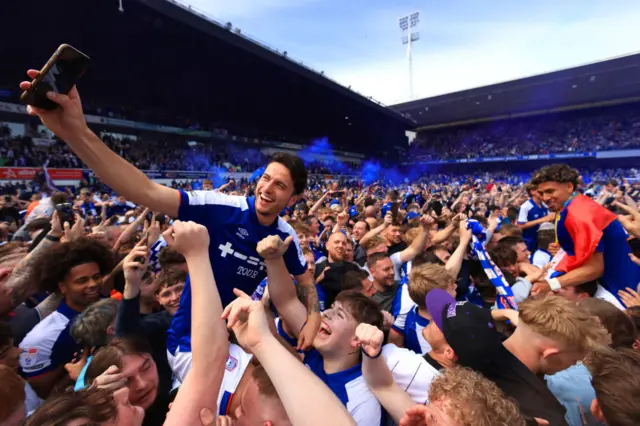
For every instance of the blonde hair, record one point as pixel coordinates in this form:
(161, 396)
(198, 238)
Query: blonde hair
(426, 277)
(563, 321)
(469, 399)
(373, 242)
(411, 235)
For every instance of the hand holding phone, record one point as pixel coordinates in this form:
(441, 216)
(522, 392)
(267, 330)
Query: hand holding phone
(65, 213)
(58, 75)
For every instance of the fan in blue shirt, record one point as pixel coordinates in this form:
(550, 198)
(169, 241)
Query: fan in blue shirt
(532, 213)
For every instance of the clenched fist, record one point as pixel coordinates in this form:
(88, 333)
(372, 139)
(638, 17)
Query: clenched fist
(187, 238)
(272, 247)
(370, 338)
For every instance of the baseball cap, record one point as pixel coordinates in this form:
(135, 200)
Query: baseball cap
(468, 328)
(546, 226)
(411, 216)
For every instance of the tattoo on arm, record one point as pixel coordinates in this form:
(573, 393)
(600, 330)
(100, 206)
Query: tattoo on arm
(50, 304)
(20, 283)
(310, 298)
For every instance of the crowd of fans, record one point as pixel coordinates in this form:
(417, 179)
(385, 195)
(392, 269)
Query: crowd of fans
(110, 308)
(582, 131)
(155, 155)
(472, 300)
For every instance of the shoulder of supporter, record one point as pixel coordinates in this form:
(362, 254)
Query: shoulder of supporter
(524, 211)
(410, 371)
(363, 405)
(40, 343)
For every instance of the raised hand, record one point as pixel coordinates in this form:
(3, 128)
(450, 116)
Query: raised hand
(112, 379)
(370, 338)
(426, 221)
(187, 238)
(631, 222)
(629, 297)
(272, 247)
(76, 231)
(67, 121)
(388, 219)
(135, 265)
(248, 321)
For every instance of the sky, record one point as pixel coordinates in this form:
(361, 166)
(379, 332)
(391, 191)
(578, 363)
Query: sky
(463, 43)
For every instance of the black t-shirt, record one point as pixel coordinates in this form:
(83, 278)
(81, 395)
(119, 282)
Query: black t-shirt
(396, 248)
(520, 383)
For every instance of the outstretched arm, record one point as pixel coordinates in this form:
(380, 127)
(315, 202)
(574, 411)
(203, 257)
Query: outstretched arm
(377, 374)
(69, 124)
(388, 219)
(418, 245)
(20, 283)
(280, 285)
(209, 338)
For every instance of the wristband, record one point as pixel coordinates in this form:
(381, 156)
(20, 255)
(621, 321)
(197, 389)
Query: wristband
(52, 238)
(372, 357)
(554, 284)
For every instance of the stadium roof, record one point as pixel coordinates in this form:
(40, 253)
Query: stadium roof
(608, 82)
(159, 55)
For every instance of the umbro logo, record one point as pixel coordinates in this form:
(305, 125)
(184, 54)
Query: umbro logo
(242, 233)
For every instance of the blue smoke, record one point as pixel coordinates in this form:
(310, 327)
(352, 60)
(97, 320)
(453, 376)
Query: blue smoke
(321, 151)
(257, 174)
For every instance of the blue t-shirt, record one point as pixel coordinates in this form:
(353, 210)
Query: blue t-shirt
(531, 211)
(350, 388)
(120, 209)
(234, 232)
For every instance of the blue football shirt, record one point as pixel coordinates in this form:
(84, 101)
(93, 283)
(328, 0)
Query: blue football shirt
(234, 232)
(530, 211)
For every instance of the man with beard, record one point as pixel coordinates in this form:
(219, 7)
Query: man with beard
(235, 223)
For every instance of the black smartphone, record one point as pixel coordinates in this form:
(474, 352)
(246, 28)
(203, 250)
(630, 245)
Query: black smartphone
(394, 208)
(58, 75)
(65, 213)
(337, 193)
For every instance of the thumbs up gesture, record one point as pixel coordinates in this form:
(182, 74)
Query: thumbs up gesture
(272, 247)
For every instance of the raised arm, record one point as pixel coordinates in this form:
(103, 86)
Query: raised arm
(69, 124)
(209, 338)
(418, 245)
(388, 220)
(128, 321)
(377, 374)
(305, 398)
(279, 283)
(20, 283)
(318, 204)
(455, 261)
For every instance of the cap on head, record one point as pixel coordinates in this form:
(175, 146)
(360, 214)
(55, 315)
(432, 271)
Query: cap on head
(468, 328)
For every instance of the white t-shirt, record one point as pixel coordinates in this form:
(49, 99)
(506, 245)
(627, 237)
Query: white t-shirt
(410, 371)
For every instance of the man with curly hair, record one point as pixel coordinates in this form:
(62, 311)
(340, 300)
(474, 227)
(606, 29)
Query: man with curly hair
(461, 396)
(74, 269)
(592, 238)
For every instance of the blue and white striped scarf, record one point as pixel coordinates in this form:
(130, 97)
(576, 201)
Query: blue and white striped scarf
(504, 294)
